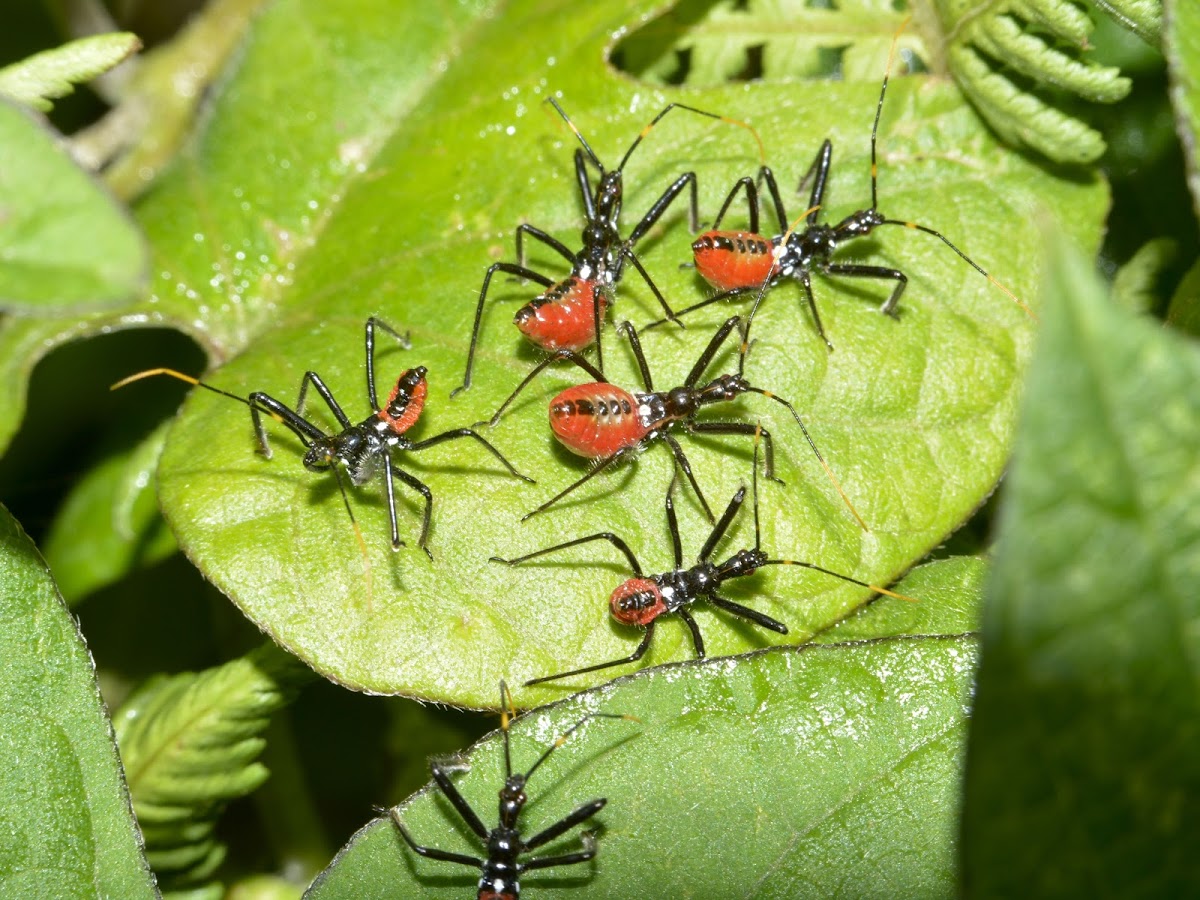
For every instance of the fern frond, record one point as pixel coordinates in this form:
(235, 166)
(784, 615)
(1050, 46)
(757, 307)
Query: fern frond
(1004, 56)
(190, 744)
(1017, 60)
(39, 79)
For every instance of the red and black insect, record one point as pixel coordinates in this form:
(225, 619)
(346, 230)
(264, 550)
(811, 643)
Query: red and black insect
(569, 313)
(642, 600)
(503, 868)
(742, 262)
(365, 449)
(609, 424)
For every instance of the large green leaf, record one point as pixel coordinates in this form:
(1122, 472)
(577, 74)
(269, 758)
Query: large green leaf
(109, 525)
(395, 205)
(1083, 777)
(1182, 47)
(68, 830)
(65, 245)
(818, 772)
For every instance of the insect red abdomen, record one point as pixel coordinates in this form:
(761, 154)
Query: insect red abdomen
(596, 420)
(563, 317)
(733, 259)
(406, 400)
(637, 602)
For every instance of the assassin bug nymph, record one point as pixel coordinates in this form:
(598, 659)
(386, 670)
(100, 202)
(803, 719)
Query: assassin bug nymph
(609, 424)
(569, 313)
(365, 449)
(503, 868)
(742, 262)
(643, 599)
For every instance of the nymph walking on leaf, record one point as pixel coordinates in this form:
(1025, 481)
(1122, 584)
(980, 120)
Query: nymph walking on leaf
(365, 449)
(743, 262)
(502, 868)
(609, 424)
(642, 600)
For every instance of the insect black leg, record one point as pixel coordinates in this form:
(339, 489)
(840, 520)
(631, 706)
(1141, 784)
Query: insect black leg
(596, 470)
(565, 824)
(372, 324)
(627, 253)
(601, 536)
(687, 179)
(819, 172)
(423, 489)
(673, 521)
(635, 344)
(541, 367)
(741, 428)
(567, 859)
(456, 433)
(581, 161)
(550, 241)
(722, 526)
(715, 298)
(856, 271)
(433, 852)
(746, 612)
(697, 639)
(632, 657)
(686, 466)
(300, 426)
(314, 379)
(511, 269)
(777, 201)
(710, 351)
(806, 283)
(390, 490)
(441, 775)
(745, 183)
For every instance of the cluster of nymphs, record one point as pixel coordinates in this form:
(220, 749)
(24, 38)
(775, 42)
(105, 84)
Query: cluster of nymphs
(609, 424)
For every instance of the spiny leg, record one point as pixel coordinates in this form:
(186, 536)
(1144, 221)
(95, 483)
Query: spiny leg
(423, 489)
(600, 536)
(697, 638)
(456, 433)
(686, 466)
(433, 852)
(549, 240)
(857, 271)
(567, 859)
(541, 367)
(687, 179)
(369, 339)
(632, 657)
(596, 470)
(746, 612)
(565, 824)
(719, 529)
(297, 424)
(627, 330)
(511, 269)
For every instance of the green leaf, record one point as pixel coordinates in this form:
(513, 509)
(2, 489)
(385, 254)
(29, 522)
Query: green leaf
(68, 831)
(1184, 311)
(801, 773)
(949, 595)
(915, 416)
(190, 743)
(1181, 43)
(65, 246)
(109, 524)
(1135, 286)
(1082, 773)
(46, 76)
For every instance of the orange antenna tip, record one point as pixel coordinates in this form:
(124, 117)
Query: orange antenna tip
(148, 373)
